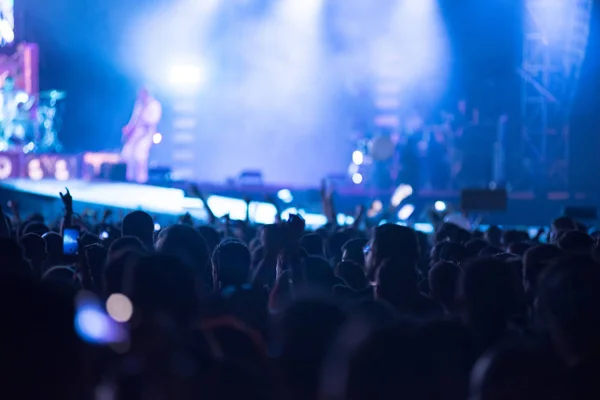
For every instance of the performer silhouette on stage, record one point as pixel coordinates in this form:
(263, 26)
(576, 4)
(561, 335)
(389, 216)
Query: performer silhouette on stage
(138, 135)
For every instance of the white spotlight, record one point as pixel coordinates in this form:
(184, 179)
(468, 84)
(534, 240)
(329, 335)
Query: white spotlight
(285, 195)
(262, 213)
(314, 221)
(405, 212)
(357, 178)
(358, 157)
(21, 97)
(402, 193)
(221, 206)
(440, 206)
(186, 76)
(157, 227)
(424, 227)
(157, 138)
(343, 219)
(6, 31)
(28, 148)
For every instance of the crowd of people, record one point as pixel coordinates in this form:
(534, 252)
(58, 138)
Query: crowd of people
(235, 310)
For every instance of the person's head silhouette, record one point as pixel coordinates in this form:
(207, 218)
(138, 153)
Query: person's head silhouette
(568, 304)
(230, 264)
(140, 225)
(395, 242)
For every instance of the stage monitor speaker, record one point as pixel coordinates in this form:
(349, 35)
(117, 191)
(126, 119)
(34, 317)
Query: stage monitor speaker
(483, 200)
(159, 176)
(113, 172)
(92, 163)
(250, 178)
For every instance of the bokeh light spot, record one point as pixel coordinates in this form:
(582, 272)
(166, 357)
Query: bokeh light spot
(119, 307)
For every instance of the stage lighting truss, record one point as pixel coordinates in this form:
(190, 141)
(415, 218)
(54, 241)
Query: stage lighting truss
(555, 40)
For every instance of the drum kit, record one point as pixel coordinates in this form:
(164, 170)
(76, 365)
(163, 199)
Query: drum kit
(381, 163)
(34, 128)
(374, 157)
(384, 153)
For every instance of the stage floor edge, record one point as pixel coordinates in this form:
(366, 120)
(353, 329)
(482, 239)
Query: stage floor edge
(524, 209)
(130, 196)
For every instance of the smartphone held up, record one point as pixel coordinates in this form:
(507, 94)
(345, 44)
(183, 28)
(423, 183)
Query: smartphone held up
(71, 241)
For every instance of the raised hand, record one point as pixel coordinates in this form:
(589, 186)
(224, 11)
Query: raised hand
(4, 227)
(359, 215)
(15, 209)
(196, 192)
(67, 200)
(360, 209)
(541, 231)
(323, 190)
(186, 219)
(13, 206)
(107, 214)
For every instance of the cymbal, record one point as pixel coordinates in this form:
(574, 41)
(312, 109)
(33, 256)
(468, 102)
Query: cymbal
(381, 148)
(53, 95)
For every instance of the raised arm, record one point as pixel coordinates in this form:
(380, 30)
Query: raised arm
(327, 203)
(271, 200)
(67, 200)
(135, 115)
(358, 216)
(152, 113)
(195, 191)
(4, 228)
(16, 212)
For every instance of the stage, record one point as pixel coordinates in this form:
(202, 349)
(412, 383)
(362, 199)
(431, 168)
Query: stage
(43, 197)
(524, 209)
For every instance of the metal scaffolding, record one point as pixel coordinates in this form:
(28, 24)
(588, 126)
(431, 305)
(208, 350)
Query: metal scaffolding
(555, 41)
